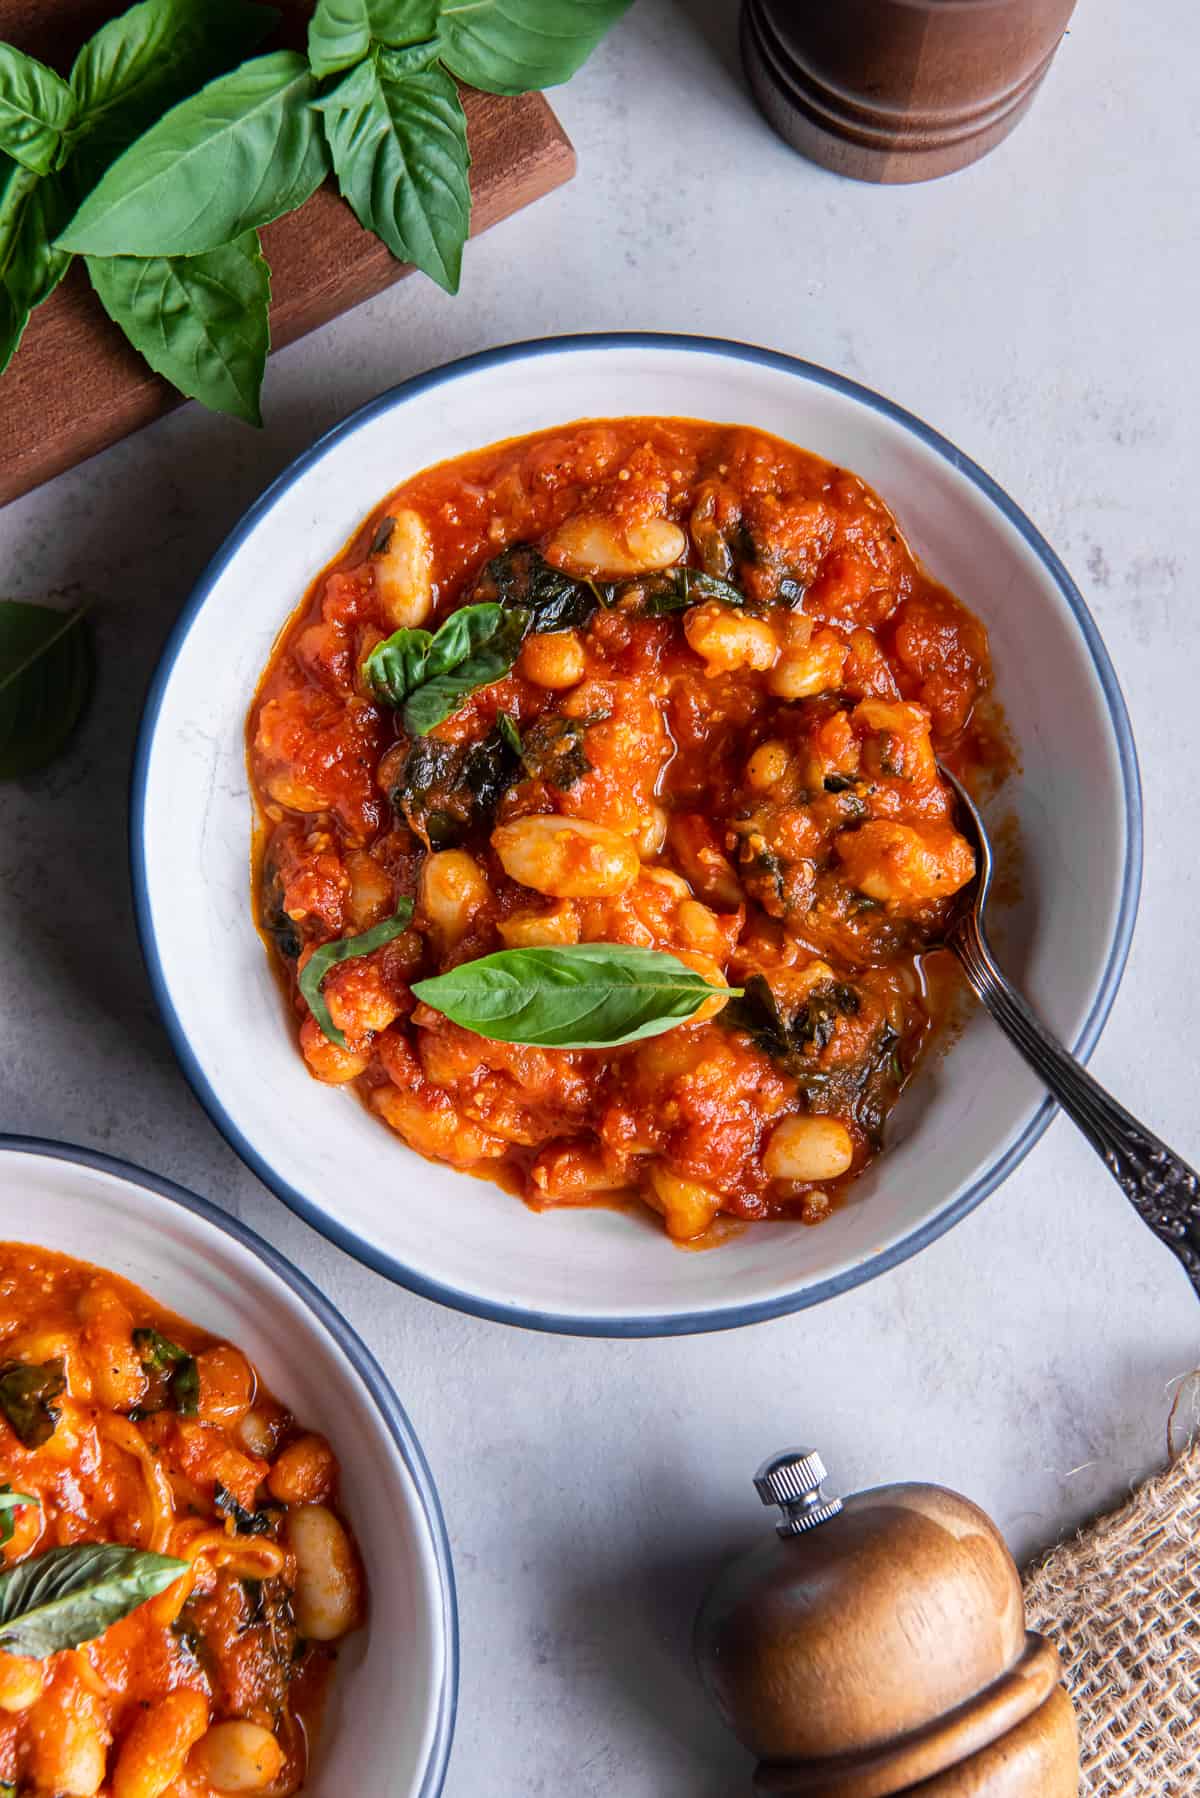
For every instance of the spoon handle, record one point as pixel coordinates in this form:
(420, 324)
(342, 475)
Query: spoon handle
(1161, 1186)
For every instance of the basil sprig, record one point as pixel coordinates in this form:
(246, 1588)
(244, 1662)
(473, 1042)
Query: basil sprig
(11, 1501)
(581, 996)
(97, 164)
(430, 675)
(330, 954)
(70, 1595)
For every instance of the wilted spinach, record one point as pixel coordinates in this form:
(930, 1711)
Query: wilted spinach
(447, 790)
(520, 578)
(680, 588)
(553, 749)
(172, 1372)
(246, 1523)
(28, 1390)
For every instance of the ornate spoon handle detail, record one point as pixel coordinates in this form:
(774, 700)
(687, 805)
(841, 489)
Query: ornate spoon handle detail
(1163, 1189)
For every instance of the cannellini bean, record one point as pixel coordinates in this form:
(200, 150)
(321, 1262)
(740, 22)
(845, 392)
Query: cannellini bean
(597, 546)
(326, 1061)
(371, 890)
(21, 1682)
(541, 929)
(651, 832)
(404, 571)
(808, 1148)
(802, 672)
(905, 864)
(666, 877)
(328, 1594)
(433, 1127)
(118, 1379)
(553, 659)
(305, 1472)
(688, 1208)
(570, 1176)
(699, 928)
(768, 766)
(453, 888)
(236, 1757)
(568, 858)
(152, 1755)
(257, 1435)
(726, 639)
(227, 1385)
(67, 1741)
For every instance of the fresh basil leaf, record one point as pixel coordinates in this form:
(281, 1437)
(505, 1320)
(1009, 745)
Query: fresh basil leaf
(32, 211)
(246, 1523)
(149, 58)
(11, 1501)
(202, 322)
(330, 954)
(398, 139)
(342, 31)
(582, 996)
(28, 1390)
(398, 666)
(45, 679)
(68, 1596)
(37, 108)
(442, 695)
(513, 46)
(245, 149)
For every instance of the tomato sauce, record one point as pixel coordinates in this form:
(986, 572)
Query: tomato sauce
(729, 752)
(128, 1425)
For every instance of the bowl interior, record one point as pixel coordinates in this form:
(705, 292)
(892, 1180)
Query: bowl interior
(966, 1118)
(386, 1724)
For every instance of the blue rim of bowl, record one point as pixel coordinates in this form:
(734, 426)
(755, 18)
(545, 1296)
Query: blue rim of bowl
(669, 1324)
(365, 1366)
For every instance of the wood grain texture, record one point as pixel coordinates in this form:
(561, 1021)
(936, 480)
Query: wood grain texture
(75, 385)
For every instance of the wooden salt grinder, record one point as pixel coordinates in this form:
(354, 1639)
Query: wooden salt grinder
(898, 90)
(876, 1645)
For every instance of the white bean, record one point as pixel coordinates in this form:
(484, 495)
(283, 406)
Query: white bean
(687, 1206)
(328, 1582)
(596, 546)
(404, 571)
(453, 888)
(726, 640)
(808, 1148)
(568, 858)
(237, 1757)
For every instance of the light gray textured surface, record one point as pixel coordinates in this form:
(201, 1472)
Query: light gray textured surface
(1040, 309)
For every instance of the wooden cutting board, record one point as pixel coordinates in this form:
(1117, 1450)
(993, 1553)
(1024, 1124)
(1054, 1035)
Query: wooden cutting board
(76, 385)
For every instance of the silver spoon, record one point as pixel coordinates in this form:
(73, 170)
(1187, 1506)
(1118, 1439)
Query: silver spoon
(1163, 1189)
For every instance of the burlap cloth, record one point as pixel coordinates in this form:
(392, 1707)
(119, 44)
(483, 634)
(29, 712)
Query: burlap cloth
(1122, 1604)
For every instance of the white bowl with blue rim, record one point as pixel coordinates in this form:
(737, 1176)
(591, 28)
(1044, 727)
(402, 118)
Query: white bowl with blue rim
(966, 1120)
(389, 1720)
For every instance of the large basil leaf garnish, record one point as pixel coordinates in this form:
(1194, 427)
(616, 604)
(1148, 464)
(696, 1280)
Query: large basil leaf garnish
(70, 1595)
(330, 954)
(28, 1390)
(580, 996)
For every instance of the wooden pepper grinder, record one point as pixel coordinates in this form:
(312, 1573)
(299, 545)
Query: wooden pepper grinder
(898, 90)
(877, 1645)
